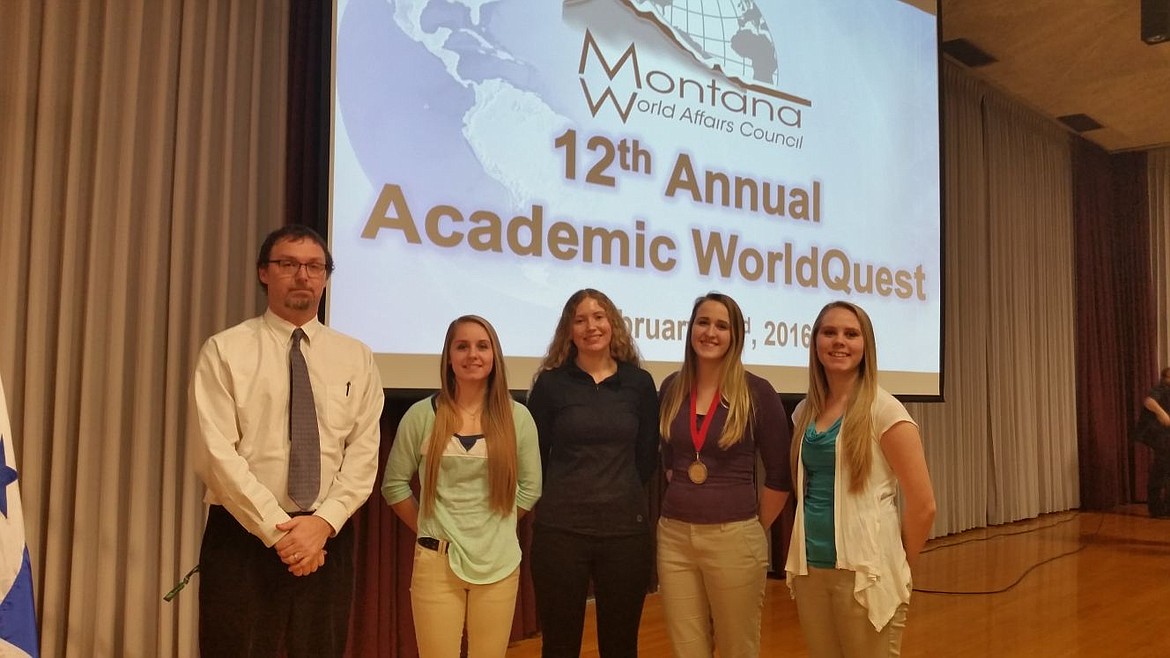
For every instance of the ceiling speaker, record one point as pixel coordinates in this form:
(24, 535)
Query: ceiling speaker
(1155, 21)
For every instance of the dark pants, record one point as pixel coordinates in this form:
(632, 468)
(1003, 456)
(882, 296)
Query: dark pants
(250, 605)
(1158, 480)
(563, 563)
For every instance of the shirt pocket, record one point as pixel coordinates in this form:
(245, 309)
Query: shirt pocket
(340, 408)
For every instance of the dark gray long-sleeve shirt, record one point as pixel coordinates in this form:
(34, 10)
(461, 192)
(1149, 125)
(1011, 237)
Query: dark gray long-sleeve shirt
(598, 448)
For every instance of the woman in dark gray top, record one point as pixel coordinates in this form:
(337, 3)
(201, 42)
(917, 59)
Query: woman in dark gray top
(596, 414)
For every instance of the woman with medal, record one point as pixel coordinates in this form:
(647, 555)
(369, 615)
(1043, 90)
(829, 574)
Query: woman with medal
(712, 537)
(478, 463)
(596, 412)
(851, 552)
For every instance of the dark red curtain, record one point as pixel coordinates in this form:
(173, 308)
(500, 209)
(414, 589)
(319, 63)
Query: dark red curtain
(1115, 334)
(307, 133)
(381, 624)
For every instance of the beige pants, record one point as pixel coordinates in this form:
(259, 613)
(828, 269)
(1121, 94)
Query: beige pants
(442, 601)
(835, 625)
(712, 579)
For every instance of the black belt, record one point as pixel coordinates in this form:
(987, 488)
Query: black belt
(433, 544)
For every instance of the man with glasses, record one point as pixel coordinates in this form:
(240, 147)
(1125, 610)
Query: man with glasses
(284, 433)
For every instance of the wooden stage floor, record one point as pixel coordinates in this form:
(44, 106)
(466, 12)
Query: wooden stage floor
(1067, 584)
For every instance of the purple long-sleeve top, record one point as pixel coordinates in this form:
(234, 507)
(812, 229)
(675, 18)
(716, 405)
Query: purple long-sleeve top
(729, 492)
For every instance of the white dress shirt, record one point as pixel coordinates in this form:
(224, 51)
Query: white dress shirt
(239, 421)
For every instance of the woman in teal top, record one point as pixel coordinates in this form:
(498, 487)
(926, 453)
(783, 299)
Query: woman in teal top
(852, 550)
(476, 454)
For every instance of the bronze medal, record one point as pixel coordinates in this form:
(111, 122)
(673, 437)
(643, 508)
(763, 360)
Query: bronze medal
(697, 472)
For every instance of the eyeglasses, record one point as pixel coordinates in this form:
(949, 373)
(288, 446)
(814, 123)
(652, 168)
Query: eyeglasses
(289, 267)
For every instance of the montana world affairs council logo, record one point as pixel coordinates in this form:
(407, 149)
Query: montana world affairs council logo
(746, 65)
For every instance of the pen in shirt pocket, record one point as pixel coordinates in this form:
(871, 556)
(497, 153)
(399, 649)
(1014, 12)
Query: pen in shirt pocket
(346, 389)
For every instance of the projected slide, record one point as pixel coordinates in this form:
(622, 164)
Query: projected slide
(492, 157)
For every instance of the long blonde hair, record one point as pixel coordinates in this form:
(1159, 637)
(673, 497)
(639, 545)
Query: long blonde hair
(857, 427)
(499, 430)
(561, 347)
(733, 386)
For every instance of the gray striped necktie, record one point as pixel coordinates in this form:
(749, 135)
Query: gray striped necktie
(304, 454)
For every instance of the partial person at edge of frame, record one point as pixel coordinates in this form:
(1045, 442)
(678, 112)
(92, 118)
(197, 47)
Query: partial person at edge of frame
(716, 417)
(476, 455)
(596, 411)
(277, 508)
(1153, 430)
(850, 560)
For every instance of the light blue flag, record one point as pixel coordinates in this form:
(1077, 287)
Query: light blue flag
(18, 618)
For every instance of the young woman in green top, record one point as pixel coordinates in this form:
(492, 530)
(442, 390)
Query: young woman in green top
(476, 454)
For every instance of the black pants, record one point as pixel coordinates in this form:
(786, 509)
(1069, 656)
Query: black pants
(563, 563)
(250, 605)
(1158, 480)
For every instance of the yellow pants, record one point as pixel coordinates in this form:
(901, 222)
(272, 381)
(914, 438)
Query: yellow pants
(442, 602)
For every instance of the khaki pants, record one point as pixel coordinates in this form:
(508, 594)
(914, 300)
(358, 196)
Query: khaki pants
(835, 625)
(441, 601)
(712, 579)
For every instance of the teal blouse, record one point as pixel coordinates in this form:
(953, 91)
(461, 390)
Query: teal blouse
(819, 456)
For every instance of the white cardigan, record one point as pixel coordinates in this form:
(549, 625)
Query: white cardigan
(867, 525)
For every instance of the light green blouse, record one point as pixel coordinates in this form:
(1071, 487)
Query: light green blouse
(483, 545)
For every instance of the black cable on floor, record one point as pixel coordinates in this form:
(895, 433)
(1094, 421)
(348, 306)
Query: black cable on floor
(1001, 534)
(1100, 522)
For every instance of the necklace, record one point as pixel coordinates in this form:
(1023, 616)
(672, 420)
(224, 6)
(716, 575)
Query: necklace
(474, 414)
